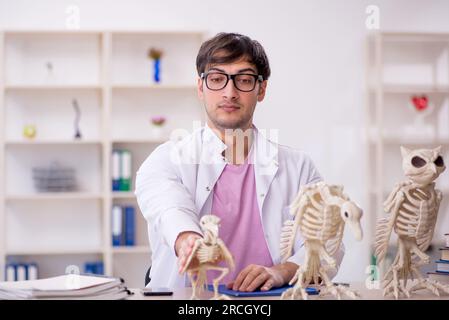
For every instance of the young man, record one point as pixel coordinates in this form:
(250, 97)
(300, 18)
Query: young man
(229, 169)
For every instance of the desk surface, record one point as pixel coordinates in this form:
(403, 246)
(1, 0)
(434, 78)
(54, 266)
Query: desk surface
(366, 294)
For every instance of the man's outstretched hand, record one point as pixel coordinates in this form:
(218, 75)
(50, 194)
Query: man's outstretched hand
(184, 245)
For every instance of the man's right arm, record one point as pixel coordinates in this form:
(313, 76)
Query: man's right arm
(166, 203)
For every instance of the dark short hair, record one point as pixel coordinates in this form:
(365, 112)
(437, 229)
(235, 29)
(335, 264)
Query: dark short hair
(230, 47)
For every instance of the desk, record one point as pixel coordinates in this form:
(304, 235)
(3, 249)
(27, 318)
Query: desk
(366, 294)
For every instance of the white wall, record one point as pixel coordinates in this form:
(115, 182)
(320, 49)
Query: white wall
(316, 50)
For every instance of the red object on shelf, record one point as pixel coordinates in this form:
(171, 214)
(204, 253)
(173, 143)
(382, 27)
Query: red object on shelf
(420, 103)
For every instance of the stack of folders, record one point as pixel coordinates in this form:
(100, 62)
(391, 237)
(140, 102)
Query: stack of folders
(123, 225)
(66, 287)
(21, 271)
(121, 170)
(441, 273)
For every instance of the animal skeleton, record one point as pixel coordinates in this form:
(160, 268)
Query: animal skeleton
(320, 213)
(206, 254)
(413, 207)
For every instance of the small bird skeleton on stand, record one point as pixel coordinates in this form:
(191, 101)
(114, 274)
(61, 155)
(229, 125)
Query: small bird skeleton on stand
(206, 254)
(320, 213)
(413, 209)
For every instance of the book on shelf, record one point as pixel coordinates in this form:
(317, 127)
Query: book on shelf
(21, 271)
(444, 253)
(121, 170)
(441, 274)
(115, 170)
(446, 237)
(67, 287)
(95, 267)
(123, 225)
(442, 266)
(130, 225)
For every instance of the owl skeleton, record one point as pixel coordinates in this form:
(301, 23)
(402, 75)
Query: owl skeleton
(320, 213)
(413, 209)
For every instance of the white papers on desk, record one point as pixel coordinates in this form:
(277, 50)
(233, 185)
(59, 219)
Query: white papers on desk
(67, 287)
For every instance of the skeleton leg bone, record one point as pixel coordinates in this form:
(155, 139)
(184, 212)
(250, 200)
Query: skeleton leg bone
(325, 255)
(336, 291)
(194, 283)
(428, 284)
(216, 281)
(398, 271)
(425, 259)
(298, 290)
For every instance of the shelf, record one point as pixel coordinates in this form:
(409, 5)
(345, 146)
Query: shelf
(111, 76)
(132, 249)
(150, 86)
(52, 87)
(143, 141)
(55, 196)
(123, 195)
(393, 36)
(51, 142)
(398, 140)
(54, 252)
(158, 32)
(413, 89)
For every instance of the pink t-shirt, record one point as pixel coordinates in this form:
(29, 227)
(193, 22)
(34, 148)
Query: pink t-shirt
(235, 202)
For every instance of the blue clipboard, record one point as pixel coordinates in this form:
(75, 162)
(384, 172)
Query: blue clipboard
(273, 292)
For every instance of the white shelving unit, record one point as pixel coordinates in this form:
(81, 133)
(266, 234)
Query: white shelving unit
(110, 75)
(400, 66)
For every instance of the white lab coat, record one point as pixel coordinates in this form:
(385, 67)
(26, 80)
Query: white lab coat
(174, 188)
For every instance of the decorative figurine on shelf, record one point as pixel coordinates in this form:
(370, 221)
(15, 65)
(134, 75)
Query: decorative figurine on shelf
(421, 103)
(29, 131)
(158, 122)
(206, 254)
(422, 108)
(413, 209)
(320, 212)
(77, 119)
(49, 67)
(156, 55)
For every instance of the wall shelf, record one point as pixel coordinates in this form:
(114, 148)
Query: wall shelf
(110, 75)
(400, 66)
(39, 252)
(123, 195)
(55, 196)
(25, 87)
(51, 142)
(132, 250)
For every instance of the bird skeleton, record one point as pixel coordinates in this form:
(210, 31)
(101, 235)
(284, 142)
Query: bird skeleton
(413, 209)
(206, 254)
(320, 213)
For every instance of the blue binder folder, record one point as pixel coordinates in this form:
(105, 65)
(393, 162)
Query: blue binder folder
(130, 226)
(273, 292)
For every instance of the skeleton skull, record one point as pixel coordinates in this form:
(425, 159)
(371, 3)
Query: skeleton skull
(210, 224)
(422, 166)
(351, 215)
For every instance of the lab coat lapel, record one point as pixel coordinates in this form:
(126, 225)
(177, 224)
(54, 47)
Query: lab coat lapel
(265, 166)
(210, 167)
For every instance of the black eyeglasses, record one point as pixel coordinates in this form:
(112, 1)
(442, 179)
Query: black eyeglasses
(245, 82)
